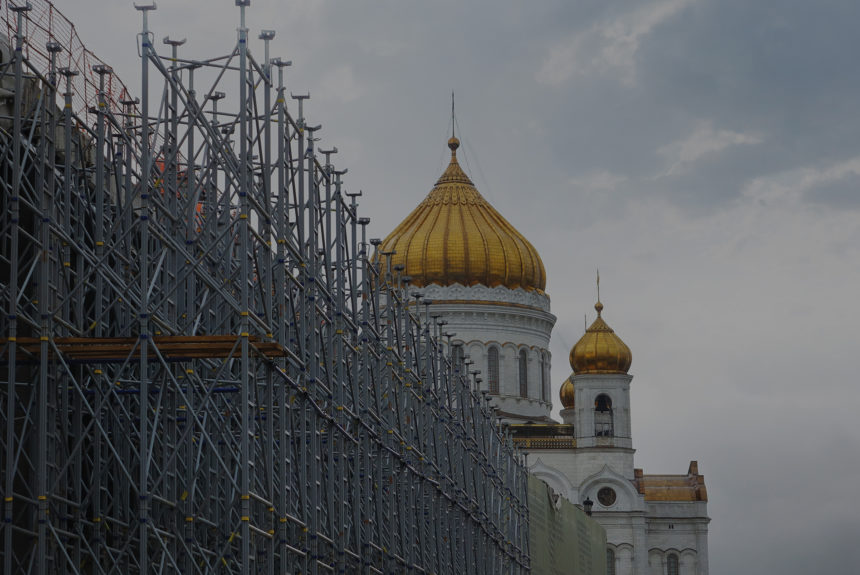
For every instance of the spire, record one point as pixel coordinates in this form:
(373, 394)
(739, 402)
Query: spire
(598, 306)
(452, 115)
(453, 143)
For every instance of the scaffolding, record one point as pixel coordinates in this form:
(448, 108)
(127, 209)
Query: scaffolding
(204, 369)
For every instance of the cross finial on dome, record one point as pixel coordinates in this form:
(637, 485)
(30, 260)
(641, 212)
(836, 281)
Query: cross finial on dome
(453, 143)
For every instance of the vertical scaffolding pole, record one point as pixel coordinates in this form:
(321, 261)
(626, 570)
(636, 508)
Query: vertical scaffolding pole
(244, 301)
(143, 308)
(12, 317)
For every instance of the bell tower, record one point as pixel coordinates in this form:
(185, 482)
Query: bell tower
(596, 397)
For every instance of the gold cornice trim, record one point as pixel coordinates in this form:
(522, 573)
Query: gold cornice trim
(545, 442)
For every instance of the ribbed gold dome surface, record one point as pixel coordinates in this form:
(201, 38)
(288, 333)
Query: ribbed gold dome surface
(456, 236)
(566, 394)
(600, 350)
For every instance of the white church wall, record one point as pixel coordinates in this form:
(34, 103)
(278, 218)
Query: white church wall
(658, 561)
(587, 389)
(584, 463)
(677, 509)
(619, 534)
(511, 320)
(688, 562)
(655, 562)
(678, 536)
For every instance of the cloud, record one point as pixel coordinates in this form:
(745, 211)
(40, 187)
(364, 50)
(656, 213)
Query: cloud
(607, 46)
(811, 183)
(598, 181)
(340, 84)
(704, 141)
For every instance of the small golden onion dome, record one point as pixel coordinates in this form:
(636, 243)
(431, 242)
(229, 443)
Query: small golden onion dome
(456, 236)
(600, 350)
(567, 394)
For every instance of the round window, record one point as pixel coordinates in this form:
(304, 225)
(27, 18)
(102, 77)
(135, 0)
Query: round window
(606, 496)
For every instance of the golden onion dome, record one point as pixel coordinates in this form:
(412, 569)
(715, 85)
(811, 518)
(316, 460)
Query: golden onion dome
(600, 350)
(566, 394)
(456, 236)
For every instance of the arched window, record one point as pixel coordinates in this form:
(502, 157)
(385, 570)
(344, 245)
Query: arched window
(493, 370)
(603, 416)
(544, 378)
(672, 565)
(610, 561)
(524, 373)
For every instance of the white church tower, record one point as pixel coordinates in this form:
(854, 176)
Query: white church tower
(601, 389)
(655, 524)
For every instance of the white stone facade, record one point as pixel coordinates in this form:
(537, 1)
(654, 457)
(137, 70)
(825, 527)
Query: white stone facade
(516, 324)
(644, 537)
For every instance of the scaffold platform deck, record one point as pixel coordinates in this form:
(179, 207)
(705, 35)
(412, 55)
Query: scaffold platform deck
(172, 348)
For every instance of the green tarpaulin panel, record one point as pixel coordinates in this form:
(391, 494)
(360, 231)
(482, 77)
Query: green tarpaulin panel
(562, 539)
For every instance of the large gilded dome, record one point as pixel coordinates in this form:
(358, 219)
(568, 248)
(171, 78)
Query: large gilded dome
(600, 350)
(456, 236)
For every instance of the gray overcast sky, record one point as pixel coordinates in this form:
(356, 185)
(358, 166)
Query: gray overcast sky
(704, 154)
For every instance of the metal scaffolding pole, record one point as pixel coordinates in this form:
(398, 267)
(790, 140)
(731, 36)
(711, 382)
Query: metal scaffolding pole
(205, 369)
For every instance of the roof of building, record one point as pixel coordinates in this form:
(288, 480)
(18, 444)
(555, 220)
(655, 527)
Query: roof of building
(689, 487)
(455, 236)
(600, 350)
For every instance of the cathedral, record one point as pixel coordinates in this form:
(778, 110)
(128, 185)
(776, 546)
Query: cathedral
(487, 283)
